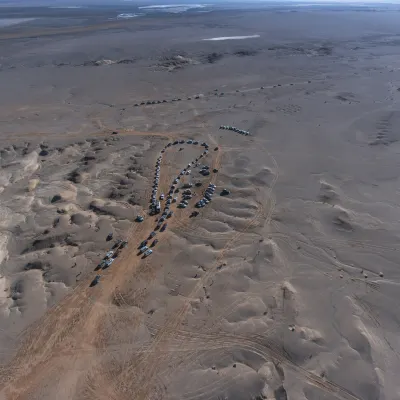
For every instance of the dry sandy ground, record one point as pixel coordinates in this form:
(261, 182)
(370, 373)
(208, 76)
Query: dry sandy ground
(286, 289)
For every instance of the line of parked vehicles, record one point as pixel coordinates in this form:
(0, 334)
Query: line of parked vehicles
(234, 129)
(109, 258)
(207, 196)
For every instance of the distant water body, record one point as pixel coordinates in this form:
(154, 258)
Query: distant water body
(233, 37)
(172, 8)
(13, 21)
(127, 16)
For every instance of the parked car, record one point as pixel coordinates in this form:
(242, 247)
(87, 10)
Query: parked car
(154, 242)
(225, 192)
(143, 249)
(109, 236)
(108, 263)
(109, 254)
(139, 218)
(100, 266)
(148, 252)
(152, 234)
(95, 281)
(117, 243)
(163, 228)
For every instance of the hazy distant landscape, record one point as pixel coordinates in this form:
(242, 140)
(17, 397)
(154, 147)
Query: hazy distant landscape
(273, 271)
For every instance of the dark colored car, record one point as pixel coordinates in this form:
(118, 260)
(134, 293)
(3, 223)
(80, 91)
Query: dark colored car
(117, 243)
(100, 266)
(152, 234)
(154, 242)
(163, 228)
(95, 281)
(225, 192)
(144, 243)
(109, 236)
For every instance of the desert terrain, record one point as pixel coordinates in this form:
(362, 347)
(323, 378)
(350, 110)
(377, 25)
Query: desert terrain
(286, 288)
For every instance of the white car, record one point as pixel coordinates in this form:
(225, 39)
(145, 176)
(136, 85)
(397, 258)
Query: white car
(109, 253)
(148, 252)
(162, 196)
(109, 262)
(188, 172)
(143, 249)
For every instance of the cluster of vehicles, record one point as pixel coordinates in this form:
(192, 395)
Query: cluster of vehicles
(234, 129)
(207, 196)
(145, 248)
(109, 258)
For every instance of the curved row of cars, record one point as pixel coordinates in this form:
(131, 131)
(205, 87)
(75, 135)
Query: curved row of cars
(145, 247)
